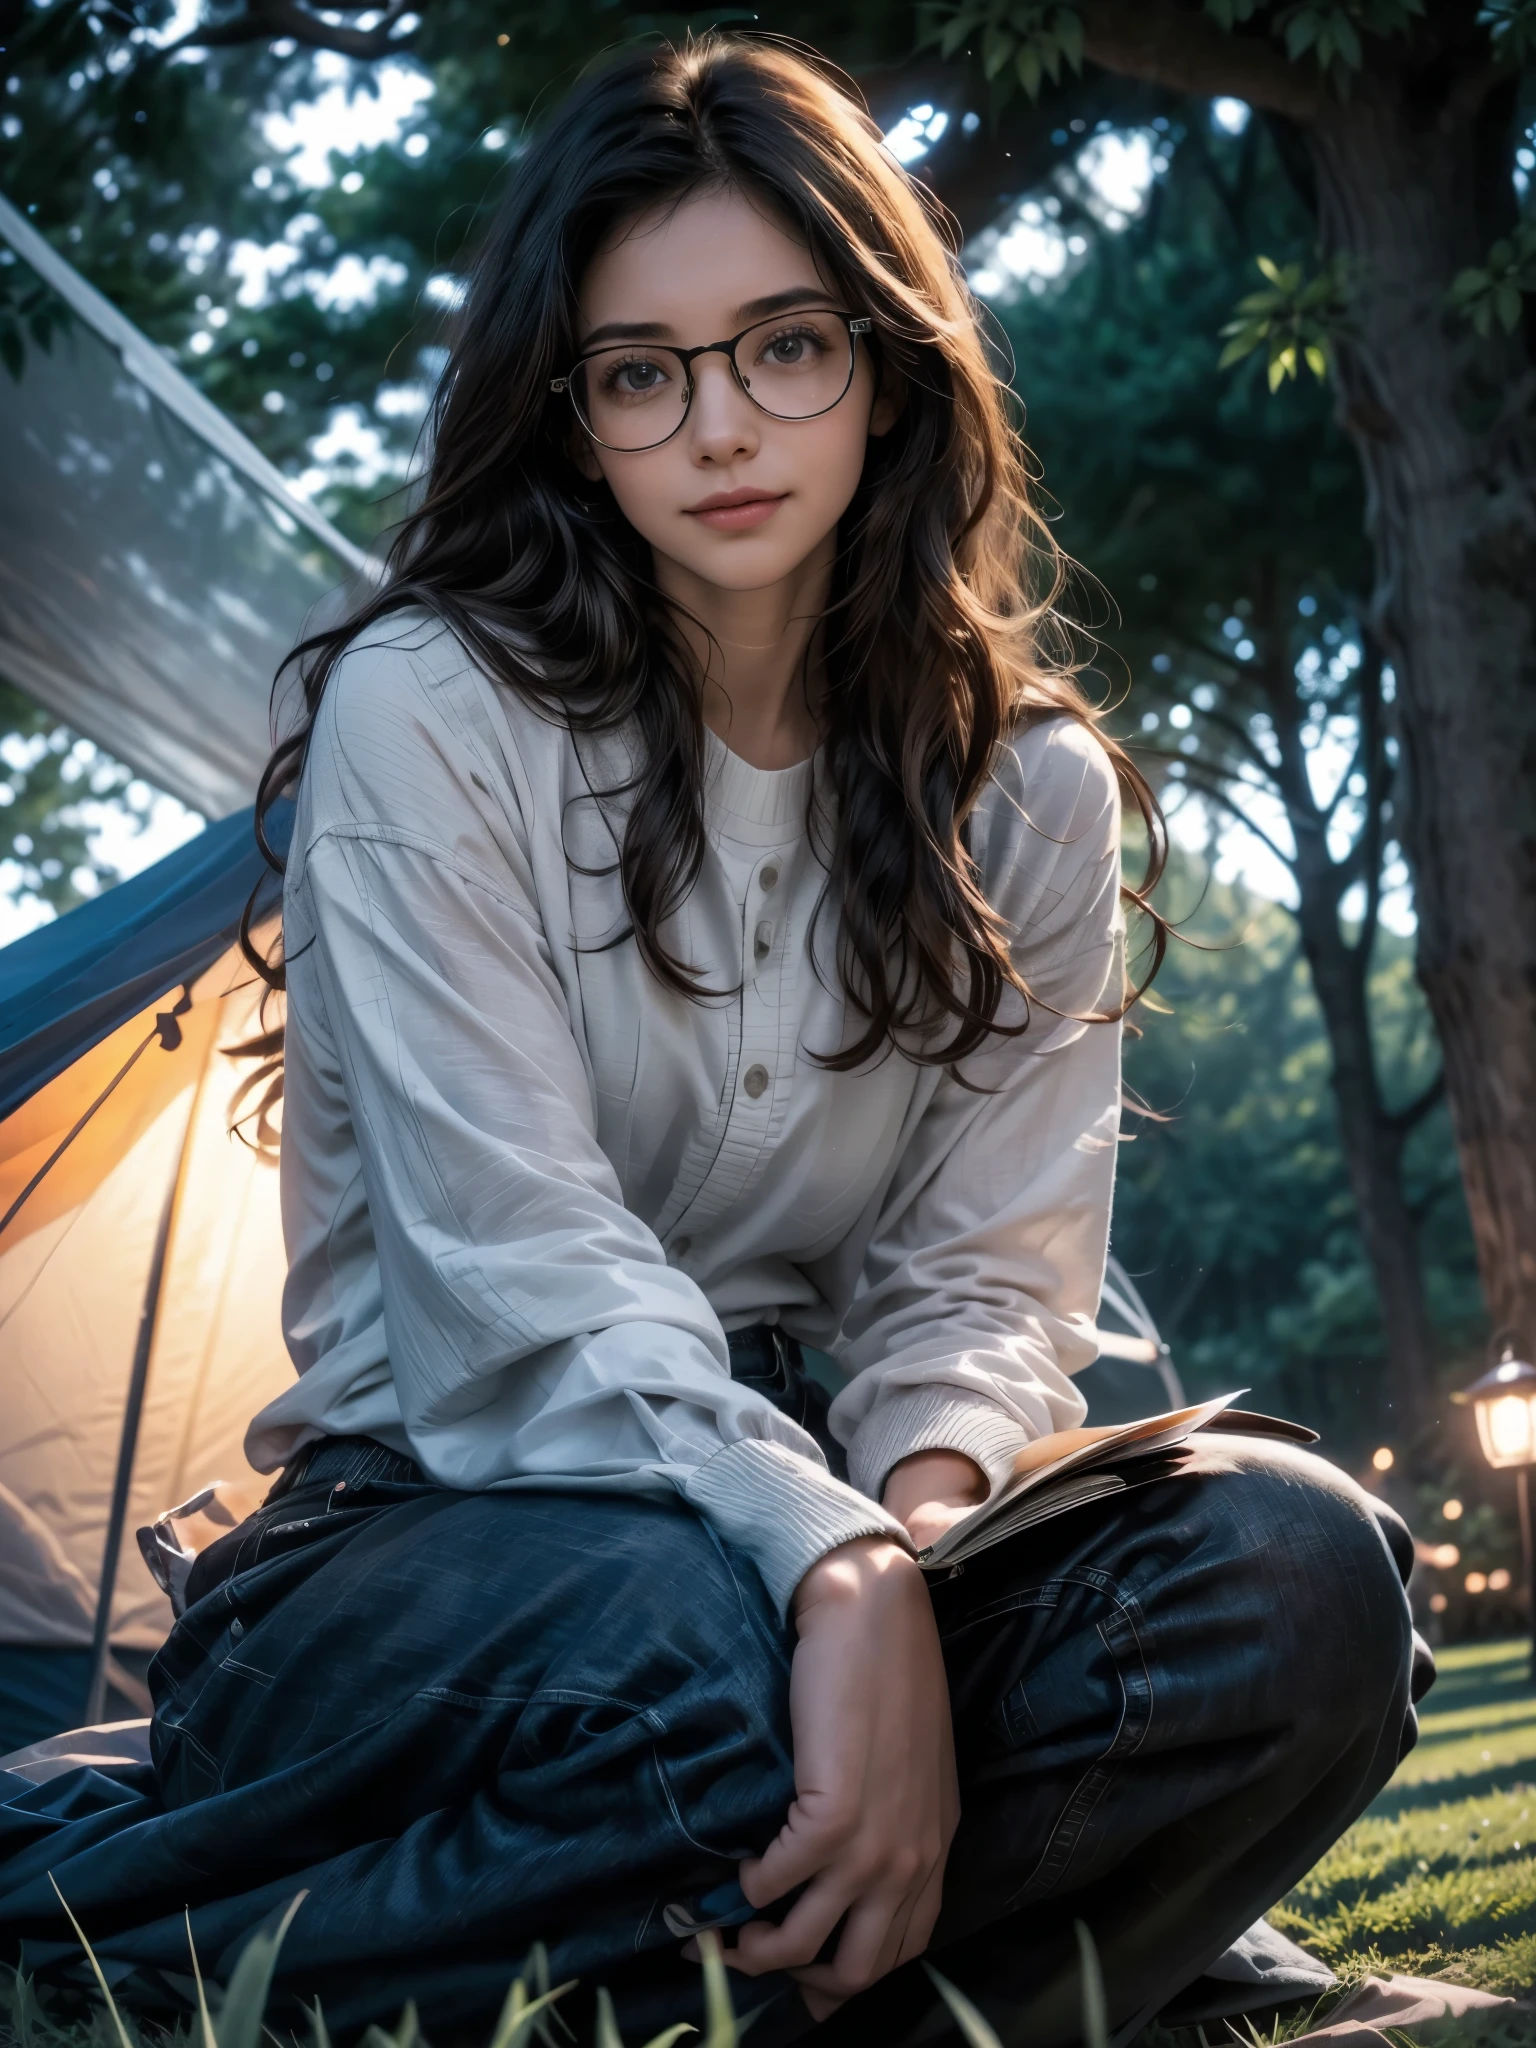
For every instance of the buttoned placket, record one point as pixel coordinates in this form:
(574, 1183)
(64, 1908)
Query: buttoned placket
(762, 1069)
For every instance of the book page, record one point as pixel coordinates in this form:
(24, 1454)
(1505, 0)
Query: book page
(1036, 1469)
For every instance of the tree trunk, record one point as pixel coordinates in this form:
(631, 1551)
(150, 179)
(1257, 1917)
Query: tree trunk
(1373, 1141)
(1372, 1136)
(1443, 429)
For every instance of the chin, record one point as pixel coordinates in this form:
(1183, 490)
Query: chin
(745, 561)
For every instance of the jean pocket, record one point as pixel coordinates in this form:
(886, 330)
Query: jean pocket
(1056, 1695)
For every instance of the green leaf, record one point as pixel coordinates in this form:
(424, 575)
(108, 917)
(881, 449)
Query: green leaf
(1028, 67)
(1069, 35)
(1346, 43)
(1272, 271)
(1302, 31)
(1317, 362)
(970, 2022)
(1506, 300)
(955, 34)
(997, 46)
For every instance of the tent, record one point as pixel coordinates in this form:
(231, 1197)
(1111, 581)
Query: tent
(154, 569)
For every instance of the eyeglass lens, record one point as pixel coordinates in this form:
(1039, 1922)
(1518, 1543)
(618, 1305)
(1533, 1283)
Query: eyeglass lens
(634, 396)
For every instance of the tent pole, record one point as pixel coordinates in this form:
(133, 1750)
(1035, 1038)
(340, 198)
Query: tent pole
(133, 1415)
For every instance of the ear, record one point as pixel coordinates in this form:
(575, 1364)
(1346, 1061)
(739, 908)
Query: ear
(890, 403)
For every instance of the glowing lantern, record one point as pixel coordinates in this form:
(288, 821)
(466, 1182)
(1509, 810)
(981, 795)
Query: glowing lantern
(1504, 1402)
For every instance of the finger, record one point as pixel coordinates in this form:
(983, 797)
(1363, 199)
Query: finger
(921, 1921)
(798, 1940)
(871, 1940)
(799, 1852)
(879, 1935)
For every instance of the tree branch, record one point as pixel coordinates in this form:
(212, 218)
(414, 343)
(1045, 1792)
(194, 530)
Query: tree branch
(1209, 784)
(1175, 46)
(268, 20)
(1403, 1120)
(1242, 738)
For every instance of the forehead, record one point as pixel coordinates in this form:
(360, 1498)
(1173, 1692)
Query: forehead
(689, 268)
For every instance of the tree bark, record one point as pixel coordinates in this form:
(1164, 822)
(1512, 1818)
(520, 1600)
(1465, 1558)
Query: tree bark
(1412, 171)
(1444, 433)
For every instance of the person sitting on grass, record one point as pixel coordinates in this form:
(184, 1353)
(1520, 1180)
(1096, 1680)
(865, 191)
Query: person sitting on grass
(703, 938)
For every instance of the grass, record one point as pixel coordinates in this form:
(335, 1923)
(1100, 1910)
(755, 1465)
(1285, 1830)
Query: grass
(1438, 1879)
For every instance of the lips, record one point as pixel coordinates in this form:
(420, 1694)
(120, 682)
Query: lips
(737, 511)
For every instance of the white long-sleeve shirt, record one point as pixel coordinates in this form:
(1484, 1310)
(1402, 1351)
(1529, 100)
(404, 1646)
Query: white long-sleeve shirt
(526, 1189)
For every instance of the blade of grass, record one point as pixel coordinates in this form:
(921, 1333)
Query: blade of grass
(210, 2038)
(977, 2032)
(719, 2017)
(117, 2019)
(245, 2000)
(608, 2035)
(521, 2014)
(1095, 2008)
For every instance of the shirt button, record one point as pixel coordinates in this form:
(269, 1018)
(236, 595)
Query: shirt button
(755, 1080)
(769, 877)
(762, 941)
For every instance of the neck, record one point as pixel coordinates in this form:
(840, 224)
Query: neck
(758, 654)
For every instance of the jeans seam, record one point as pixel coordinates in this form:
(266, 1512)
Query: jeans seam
(1136, 1700)
(720, 1855)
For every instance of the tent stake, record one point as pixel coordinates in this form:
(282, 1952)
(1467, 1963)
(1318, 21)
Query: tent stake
(133, 1415)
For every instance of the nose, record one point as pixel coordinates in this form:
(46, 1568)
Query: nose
(722, 421)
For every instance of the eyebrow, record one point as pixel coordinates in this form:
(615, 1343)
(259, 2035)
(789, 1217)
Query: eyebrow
(753, 311)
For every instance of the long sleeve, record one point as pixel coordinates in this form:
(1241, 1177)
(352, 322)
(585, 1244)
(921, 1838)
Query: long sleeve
(981, 1277)
(535, 1329)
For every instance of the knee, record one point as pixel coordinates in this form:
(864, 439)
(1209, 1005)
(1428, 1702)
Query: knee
(1324, 1566)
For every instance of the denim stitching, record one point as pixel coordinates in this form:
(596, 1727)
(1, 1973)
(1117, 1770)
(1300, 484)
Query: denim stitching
(450, 1698)
(263, 1678)
(650, 1915)
(1118, 1633)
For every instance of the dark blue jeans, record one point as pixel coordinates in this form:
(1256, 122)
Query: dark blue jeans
(468, 1722)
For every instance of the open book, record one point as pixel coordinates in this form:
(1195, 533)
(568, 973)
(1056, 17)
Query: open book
(1127, 1454)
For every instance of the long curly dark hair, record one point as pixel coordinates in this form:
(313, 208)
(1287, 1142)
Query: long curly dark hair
(942, 636)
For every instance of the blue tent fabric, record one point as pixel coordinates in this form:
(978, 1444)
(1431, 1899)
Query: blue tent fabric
(65, 986)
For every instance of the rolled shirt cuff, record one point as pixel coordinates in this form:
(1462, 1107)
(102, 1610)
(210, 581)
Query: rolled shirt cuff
(783, 1510)
(936, 1417)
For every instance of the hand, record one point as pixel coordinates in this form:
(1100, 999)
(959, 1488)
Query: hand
(931, 1490)
(876, 1797)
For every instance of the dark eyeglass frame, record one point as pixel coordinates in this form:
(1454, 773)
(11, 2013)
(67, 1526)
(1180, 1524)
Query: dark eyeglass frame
(856, 324)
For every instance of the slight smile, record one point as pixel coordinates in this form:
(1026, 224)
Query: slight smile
(737, 511)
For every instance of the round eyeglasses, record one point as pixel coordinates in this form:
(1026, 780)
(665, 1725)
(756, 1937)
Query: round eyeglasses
(637, 394)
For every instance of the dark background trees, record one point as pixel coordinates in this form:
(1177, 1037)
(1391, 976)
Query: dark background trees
(1370, 539)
